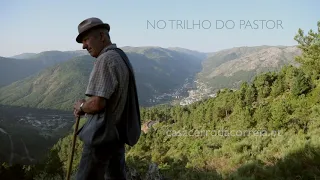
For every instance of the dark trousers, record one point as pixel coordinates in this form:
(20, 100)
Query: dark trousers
(102, 163)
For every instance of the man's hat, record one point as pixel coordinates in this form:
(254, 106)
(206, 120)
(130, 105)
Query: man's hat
(89, 24)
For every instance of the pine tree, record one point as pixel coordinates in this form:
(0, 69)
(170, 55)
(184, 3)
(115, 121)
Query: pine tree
(310, 46)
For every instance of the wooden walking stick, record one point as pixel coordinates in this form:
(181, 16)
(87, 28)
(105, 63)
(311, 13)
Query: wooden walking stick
(72, 148)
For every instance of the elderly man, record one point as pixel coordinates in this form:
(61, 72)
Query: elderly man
(112, 108)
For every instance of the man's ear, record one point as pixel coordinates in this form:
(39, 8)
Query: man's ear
(102, 36)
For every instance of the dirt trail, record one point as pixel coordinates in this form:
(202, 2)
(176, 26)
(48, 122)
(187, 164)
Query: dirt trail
(11, 143)
(27, 151)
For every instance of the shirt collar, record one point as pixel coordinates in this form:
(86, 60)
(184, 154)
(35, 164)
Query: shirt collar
(113, 45)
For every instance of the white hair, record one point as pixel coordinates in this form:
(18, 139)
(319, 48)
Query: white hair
(105, 31)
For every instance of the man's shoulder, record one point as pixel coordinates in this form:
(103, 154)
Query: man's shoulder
(111, 56)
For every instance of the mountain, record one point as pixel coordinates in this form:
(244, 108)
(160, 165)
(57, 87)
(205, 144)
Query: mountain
(50, 55)
(30, 64)
(23, 56)
(162, 70)
(199, 55)
(54, 87)
(14, 69)
(162, 73)
(230, 67)
(157, 70)
(53, 57)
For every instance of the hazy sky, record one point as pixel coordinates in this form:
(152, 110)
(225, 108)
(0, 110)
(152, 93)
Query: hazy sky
(38, 25)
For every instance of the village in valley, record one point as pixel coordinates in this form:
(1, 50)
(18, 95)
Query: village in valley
(191, 91)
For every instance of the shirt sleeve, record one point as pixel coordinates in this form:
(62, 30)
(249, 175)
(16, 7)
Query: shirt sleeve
(103, 80)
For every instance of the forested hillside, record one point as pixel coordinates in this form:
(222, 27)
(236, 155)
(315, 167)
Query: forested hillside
(26, 134)
(267, 129)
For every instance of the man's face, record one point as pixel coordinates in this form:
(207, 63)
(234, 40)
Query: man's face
(92, 42)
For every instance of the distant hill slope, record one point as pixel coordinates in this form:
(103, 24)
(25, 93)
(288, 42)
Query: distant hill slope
(56, 87)
(157, 71)
(13, 69)
(228, 68)
(23, 56)
(197, 54)
(28, 64)
(51, 54)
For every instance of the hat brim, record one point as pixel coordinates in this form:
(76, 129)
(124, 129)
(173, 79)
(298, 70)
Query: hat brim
(82, 34)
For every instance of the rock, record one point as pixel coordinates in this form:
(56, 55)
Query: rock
(153, 173)
(149, 124)
(132, 174)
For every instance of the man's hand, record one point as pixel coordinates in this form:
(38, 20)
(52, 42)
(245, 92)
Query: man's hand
(76, 108)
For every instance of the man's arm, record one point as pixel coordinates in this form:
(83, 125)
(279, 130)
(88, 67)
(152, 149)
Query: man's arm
(102, 84)
(93, 105)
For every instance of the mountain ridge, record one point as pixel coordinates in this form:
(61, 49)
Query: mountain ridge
(26, 55)
(160, 71)
(229, 68)
(157, 72)
(263, 56)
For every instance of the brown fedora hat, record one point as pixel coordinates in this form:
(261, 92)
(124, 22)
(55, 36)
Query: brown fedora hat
(89, 24)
